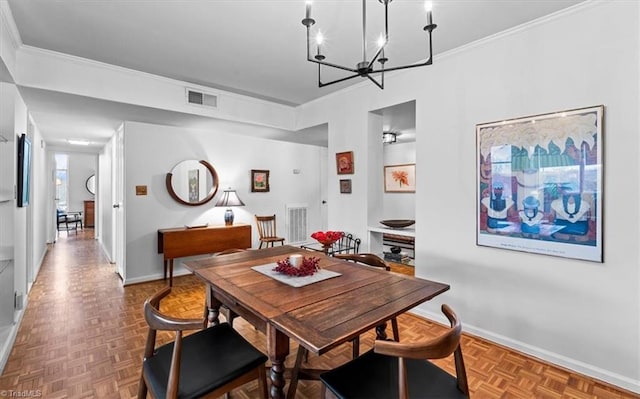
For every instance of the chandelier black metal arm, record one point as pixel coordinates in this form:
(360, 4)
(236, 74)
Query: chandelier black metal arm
(365, 68)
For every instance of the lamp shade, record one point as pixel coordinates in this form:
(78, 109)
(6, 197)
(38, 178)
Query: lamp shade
(229, 198)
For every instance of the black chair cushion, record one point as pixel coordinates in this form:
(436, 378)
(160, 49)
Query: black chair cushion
(210, 359)
(373, 376)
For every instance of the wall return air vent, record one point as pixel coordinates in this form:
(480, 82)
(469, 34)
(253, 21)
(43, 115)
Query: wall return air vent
(204, 99)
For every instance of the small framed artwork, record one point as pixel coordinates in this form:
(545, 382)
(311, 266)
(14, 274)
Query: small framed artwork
(344, 163)
(345, 186)
(259, 181)
(400, 178)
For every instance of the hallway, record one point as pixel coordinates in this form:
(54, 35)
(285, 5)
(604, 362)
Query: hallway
(82, 336)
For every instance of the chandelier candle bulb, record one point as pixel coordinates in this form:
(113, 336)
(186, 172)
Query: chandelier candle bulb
(428, 6)
(308, 10)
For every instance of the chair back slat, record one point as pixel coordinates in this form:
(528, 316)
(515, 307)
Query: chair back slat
(266, 226)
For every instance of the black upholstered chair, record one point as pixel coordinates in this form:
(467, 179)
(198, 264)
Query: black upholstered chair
(303, 354)
(401, 370)
(67, 221)
(208, 363)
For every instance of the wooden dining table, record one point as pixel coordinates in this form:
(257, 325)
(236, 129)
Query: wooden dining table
(319, 316)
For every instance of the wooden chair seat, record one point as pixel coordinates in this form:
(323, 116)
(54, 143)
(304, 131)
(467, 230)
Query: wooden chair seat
(401, 370)
(209, 362)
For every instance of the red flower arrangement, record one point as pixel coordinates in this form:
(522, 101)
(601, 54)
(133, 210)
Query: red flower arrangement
(308, 267)
(328, 237)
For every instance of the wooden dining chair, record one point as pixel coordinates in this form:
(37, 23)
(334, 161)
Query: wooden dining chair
(207, 363)
(267, 231)
(303, 354)
(403, 370)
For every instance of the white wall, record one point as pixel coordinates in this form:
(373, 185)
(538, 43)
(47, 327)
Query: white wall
(104, 215)
(152, 150)
(400, 205)
(20, 215)
(7, 163)
(41, 179)
(581, 315)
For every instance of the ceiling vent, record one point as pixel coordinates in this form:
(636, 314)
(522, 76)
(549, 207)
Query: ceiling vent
(203, 99)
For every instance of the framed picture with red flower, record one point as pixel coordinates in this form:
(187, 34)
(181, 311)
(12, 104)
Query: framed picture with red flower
(259, 181)
(400, 178)
(344, 163)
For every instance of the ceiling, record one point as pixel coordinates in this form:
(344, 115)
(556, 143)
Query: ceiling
(251, 47)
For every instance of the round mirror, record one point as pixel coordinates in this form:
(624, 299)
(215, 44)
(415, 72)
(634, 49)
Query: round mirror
(91, 184)
(192, 182)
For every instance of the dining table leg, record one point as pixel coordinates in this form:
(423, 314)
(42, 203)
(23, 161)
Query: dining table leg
(381, 331)
(278, 349)
(213, 305)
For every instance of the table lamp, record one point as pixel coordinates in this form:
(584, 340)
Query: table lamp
(229, 198)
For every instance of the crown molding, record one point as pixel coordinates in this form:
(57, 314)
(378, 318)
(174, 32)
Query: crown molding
(523, 27)
(6, 17)
(86, 62)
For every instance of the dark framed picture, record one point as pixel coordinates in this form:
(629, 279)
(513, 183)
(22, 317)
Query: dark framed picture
(344, 163)
(539, 183)
(24, 170)
(345, 186)
(259, 181)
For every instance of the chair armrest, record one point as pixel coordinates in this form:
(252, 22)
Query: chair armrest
(159, 321)
(435, 348)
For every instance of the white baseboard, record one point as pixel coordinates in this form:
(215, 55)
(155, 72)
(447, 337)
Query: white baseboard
(9, 339)
(551, 357)
(154, 277)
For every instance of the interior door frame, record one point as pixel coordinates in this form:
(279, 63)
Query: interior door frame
(118, 230)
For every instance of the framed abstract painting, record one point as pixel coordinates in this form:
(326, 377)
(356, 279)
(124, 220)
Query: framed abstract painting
(539, 184)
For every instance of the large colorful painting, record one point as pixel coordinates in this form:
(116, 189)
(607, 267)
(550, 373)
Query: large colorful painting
(539, 184)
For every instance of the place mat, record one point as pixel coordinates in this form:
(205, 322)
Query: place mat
(295, 281)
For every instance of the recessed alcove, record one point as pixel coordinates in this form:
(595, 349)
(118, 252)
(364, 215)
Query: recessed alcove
(401, 120)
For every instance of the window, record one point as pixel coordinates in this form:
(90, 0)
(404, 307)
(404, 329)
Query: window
(62, 181)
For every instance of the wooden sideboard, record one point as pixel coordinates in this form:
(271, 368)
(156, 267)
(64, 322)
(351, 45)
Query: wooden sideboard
(89, 213)
(183, 241)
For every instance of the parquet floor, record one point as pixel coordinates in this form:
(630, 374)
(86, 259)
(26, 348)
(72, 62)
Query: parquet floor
(83, 334)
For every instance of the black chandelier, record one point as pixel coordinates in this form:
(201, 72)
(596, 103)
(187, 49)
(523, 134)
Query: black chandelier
(365, 68)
